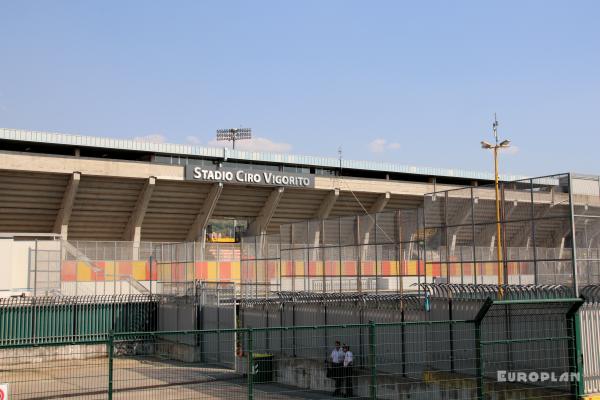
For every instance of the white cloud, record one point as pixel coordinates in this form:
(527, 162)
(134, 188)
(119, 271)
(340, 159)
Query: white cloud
(192, 140)
(377, 146)
(153, 138)
(256, 144)
(381, 145)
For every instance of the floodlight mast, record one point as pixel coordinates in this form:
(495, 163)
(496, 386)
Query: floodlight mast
(233, 134)
(496, 148)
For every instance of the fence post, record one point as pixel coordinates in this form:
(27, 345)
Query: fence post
(293, 330)
(111, 339)
(74, 311)
(451, 331)
(478, 360)
(373, 359)
(113, 312)
(218, 323)
(478, 353)
(35, 259)
(575, 356)
(34, 312)
(150, 277)
(250, 365)
(403, 339)
(573, 239)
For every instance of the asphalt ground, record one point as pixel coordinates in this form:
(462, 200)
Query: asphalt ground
(137, 378)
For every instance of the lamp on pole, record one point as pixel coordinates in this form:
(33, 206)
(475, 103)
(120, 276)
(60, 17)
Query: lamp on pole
(496, 148)
(233, 134)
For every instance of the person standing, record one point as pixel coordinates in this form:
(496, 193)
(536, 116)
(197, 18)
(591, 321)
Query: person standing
(337, 363)
(348, 371)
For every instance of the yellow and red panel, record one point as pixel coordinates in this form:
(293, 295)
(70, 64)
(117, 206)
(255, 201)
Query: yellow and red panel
(68, 272)
(270, 270)
(84, 272)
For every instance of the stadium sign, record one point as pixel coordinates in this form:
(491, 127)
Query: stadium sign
(240, 176)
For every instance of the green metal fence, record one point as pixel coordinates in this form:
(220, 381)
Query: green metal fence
(39, 320)
(482, 358)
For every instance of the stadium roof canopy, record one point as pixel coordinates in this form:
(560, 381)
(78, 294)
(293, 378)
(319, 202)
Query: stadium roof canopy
(94, 188)
(226, 153)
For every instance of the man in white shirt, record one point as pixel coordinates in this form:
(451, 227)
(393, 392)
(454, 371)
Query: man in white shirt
(348, 371)
(337, 363)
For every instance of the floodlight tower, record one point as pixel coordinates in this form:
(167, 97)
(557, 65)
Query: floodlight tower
(233, 134)
(497, 147)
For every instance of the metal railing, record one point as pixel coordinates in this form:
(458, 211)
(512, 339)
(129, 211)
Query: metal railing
(550, 235)
(461, 359)
(160, 251)
(82, 268)
(59, 319)
(589, 315)
(506, 292)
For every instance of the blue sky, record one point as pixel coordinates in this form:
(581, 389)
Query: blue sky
(415, 83)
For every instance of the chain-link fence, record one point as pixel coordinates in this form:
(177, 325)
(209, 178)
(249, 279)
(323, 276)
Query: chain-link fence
(511, 349)
(464, 236)
(379, 252)
(44, 273)
(453, 239)
(438, 302)
(586, 218)
(181, 265)
(533, 217)
(261, 272)
(84, 268)
(547, 225)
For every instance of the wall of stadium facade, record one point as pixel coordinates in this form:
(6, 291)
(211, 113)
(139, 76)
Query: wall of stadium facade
(129, 204)
(98, 199)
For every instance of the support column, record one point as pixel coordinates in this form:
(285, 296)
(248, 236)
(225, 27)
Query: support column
(377, 207)
(61, 224)
(198, 228)
(370, 222)
(259, 226)
(133, 230)
(324, 211)
(327, 204)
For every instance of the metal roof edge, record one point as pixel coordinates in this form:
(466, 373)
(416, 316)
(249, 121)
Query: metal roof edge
(242, 155)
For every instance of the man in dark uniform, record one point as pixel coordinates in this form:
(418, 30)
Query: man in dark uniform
(348, 371)
(337, 362)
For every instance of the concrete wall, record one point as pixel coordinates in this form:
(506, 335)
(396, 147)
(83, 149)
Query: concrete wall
(311, 375)
(44, 354)
(88, 166)
(15, 262)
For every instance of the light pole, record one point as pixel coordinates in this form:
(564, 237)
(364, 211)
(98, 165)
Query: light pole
(233, 134)
(497, 147)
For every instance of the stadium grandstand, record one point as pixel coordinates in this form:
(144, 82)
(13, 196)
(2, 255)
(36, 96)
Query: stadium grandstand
(113, 201)
(77, 212)
(149, 269)
(93, 188)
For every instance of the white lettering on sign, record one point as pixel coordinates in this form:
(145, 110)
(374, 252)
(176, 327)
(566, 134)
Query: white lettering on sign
(241, 176)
